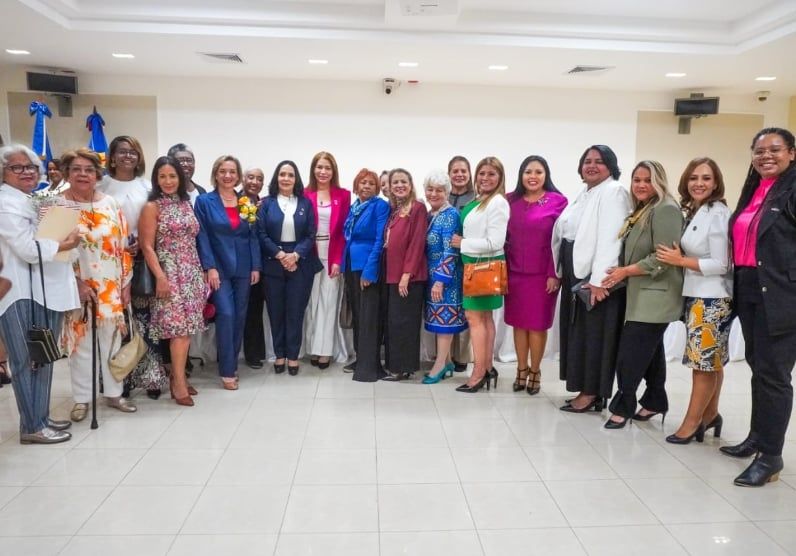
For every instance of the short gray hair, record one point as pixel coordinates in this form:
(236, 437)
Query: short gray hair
(438, 178)
(16, 148)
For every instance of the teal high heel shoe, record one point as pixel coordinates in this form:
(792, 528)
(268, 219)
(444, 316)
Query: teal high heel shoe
(446, 370)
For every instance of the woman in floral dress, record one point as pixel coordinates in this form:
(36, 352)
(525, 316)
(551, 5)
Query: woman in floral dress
(168, 230)
(103, 271)
(444, 315)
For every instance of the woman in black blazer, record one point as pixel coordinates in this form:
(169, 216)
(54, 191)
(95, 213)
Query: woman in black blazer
(763, 232)
(286, 229)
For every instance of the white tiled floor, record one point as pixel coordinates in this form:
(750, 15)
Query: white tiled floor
(319, 465)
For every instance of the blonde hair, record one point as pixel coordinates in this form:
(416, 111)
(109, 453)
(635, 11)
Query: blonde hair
(657, 179)
(500, 189)
(217, 164)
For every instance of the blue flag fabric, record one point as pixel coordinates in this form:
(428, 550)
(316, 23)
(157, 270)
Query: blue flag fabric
(41, 140)
(96, 140)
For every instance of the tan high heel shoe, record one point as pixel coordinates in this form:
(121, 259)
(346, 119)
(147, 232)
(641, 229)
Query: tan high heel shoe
(187, 400)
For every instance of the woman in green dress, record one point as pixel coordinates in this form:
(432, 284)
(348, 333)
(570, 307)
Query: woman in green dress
(484, 222)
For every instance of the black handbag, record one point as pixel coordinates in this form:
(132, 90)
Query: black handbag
(143, 284)
(42, 344)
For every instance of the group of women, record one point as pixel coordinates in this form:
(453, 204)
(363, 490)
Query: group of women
(627, 264)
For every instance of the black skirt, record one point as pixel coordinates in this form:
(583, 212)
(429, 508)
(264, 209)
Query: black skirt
(404, 320)
(589, 339)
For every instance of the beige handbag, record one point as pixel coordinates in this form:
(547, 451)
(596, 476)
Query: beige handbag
(127, 356)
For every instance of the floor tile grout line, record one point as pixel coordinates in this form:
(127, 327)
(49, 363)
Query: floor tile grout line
(295, 471)
(210, 475)
(459, 477)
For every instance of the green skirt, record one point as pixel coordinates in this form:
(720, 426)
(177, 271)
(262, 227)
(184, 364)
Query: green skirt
(482, 302)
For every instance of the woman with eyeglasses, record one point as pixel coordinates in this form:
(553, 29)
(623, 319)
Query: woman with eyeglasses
(763, 229)
(254, 330)
(126, 183)
(104, 274)
(20, 268)
(185, 158)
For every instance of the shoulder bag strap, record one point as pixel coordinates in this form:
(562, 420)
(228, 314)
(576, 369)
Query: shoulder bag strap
(43, 292)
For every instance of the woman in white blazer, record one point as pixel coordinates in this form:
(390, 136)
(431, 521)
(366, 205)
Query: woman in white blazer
(484, 223)
(585, 245)
(704, 254)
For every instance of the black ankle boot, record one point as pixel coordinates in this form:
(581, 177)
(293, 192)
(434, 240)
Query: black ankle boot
(764, 469)
(745, 449)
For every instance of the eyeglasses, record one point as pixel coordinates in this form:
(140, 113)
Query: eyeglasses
(22, 168)
(184, 160)
(82, 170)
(773, 151)
(127, 153)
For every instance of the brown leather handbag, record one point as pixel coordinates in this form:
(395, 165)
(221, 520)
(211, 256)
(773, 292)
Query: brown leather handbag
(485, 278)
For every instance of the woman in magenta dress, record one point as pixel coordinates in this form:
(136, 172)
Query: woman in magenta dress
(533, 287)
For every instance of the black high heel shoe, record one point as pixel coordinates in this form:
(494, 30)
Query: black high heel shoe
(615, 425)
(715, 424)
(292, 370)
(698, 435)
(596, 404)
(475, 387)
(521, 380)
(639, 417)
(493, 376)
(745, 449)
(279, 368)
(534, 382)
(764, 469)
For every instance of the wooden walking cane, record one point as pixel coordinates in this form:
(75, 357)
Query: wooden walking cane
(94, 423)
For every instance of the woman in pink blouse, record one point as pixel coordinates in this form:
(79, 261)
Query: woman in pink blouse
(533, 286)
(763, 231)
(331, 204)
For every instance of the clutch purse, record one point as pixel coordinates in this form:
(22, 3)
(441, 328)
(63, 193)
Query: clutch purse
(143, 283)
(485, 278)
(584, 294)
(128, 355)
(42, 345)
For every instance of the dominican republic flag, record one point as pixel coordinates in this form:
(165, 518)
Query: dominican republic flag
(96, 139)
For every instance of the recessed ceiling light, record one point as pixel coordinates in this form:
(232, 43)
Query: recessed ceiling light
(317, 61)
(408, 64)
(765, 78)
(675, 74)
(498, 67)
(123, 55)
(17, 52)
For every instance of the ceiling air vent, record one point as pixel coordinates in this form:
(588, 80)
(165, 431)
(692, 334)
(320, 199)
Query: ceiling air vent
(589, 69)
(221, 57)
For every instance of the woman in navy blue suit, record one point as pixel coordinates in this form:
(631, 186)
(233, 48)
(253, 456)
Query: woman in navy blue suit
(230, 255)
(364, 240)
(286, 230)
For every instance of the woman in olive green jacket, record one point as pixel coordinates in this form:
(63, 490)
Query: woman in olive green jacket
(654, 296)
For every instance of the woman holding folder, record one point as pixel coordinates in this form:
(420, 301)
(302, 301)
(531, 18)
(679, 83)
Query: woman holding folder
(27, 263)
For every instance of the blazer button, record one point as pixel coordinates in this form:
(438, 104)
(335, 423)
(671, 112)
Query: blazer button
(764, 289)
(759, 263)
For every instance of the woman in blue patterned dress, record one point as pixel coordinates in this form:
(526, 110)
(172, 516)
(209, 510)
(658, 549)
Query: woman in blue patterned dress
(443, 315)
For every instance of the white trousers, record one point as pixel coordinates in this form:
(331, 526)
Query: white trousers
(80, 364)
(323, 314)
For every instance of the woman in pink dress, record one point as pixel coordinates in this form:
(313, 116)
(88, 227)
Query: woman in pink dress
(533, 287)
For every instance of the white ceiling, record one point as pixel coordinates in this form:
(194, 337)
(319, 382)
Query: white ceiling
(720, 45)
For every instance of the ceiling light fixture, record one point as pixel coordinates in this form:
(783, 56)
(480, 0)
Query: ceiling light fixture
(498, 67)
(408, 64)
(675, 74)
(17, 52)
(765, 78)
(317, 61)
(123, 55)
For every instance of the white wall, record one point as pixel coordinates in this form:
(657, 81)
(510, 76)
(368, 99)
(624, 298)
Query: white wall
(419, 127)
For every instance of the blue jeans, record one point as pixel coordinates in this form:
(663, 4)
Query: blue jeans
(231, 300)
(31, 386)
